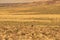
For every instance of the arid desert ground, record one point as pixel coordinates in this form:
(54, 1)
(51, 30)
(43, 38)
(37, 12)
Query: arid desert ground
(30, 22)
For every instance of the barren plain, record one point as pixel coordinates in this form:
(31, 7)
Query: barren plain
(30, 22)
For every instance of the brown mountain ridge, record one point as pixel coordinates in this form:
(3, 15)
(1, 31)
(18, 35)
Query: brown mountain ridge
(48, 2)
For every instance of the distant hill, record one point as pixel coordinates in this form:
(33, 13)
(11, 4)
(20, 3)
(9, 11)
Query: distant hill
(46, 2)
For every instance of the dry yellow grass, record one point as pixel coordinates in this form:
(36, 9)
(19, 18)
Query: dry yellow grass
(30, 23)
(10, 30)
